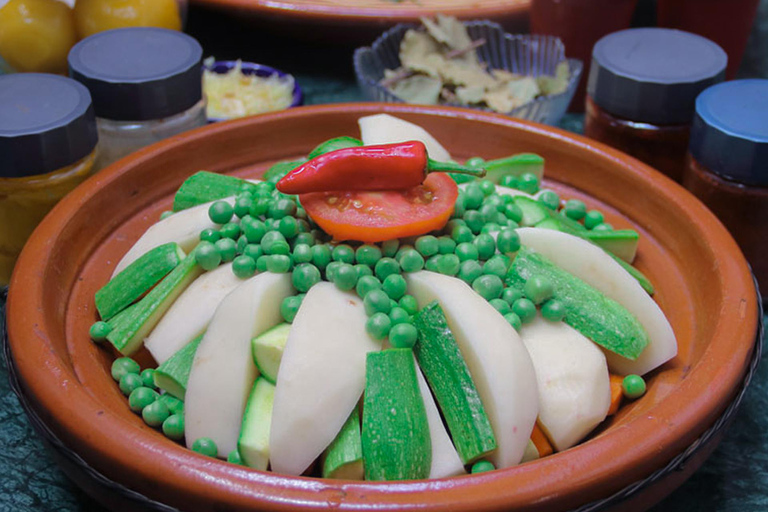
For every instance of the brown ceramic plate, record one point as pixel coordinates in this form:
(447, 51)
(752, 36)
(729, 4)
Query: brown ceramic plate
(370, 16)
(703, 285)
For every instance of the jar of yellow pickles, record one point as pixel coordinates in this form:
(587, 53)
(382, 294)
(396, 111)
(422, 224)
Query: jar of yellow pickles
(47, 147)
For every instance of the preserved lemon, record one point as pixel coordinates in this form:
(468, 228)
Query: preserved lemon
(92, 16)
(36, 35)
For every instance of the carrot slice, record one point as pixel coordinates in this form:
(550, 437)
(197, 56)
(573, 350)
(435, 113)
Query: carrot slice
(616, 393)
(540, 441)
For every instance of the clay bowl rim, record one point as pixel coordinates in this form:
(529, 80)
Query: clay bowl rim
(670, 429)
(351, 13)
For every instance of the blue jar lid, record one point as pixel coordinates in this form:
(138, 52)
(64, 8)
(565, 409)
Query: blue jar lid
(139, 73)
(653, 75)
(729, 135)
(46, 123)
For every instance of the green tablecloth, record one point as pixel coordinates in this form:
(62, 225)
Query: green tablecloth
(734, 479)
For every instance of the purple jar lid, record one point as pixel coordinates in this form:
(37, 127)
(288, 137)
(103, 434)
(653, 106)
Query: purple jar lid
(46, 123)
(729, 135)
(653, 75)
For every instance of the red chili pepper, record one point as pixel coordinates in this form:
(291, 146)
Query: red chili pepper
(384, 167)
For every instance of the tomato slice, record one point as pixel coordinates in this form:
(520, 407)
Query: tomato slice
(384, 215)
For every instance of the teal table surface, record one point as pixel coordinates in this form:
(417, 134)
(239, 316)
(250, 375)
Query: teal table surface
(733, 479)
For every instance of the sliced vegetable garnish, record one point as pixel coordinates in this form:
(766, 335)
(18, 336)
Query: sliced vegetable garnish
(379, 216)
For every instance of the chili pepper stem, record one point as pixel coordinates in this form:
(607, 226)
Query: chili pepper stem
(435, 166)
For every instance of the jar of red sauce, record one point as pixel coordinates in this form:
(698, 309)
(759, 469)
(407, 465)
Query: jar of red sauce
(641, 91)
(728, 164)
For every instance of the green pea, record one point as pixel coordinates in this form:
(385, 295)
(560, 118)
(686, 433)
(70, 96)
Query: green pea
(148, 378)
(411, 261)
(575, 209)
(510, 295)
(513, 320)
(288, 227)
(366, 284)
(378, 326)
(475, 162)
(129, 382)
(399, 315)
(509, 181)
(244, 266)
(446, 245)
(241, 244)
(368, 254)
(345, 277)
(205, 446)
(496, 201)
(482, 466)
(473, 196)
(321, 256)
(454, 223)
(304, 237)
(458, 207)
(209, 235)
(490, 227)
(363, 270)
(525, 309)
(376, 301)
(123, 365)
(243, 205)
(427, 245)
(302, 253)
(220, 212)
(487, 187)
(281, 208)
(538, 288)
(278, 247)
(305, 276)
(593, 218)
(207, 255)
(489, 213)
(394, 285)
(508, 241)
(155, 413)
(488, 286)
(409, 304)
(550, 199)
(529, 183)
(344, 253)
(431, 263)
(227, 249)
(254, 230)
(99, 331)
(234, 457)
(141, 397)
(386, 267)
(469, 271)
(633, 386)
(603, 226)
(512, 211)
(403, 335)
(474, 220)
(290, 306)
(279, 264)
(173, 427)
(175, 405)
(553, 310)
(448, 264)
(261, 263)
(389, 247)
(461, 234)
(501, 306)
(496, 267)
(485, 246)
(467, 251)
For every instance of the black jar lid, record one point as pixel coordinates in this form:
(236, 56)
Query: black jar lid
(139, 73)
(729, 135)
(653, 75)
(46, 123)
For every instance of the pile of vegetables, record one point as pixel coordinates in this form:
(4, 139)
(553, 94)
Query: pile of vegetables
(380, 312)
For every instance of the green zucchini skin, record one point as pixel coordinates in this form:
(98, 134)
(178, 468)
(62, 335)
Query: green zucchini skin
(204, 187)
(395, 435)
(451, 383)
(138, 277)
(344, 456)
(173, 374)
(599, 318)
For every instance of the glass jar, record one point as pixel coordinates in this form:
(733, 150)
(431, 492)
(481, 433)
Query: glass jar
(641, 91)
(728, 164)
(48, 146)
(146, 85)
